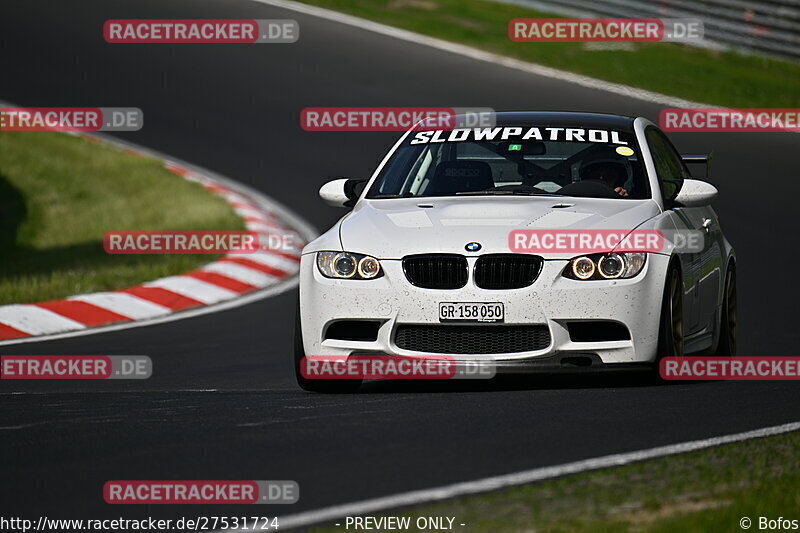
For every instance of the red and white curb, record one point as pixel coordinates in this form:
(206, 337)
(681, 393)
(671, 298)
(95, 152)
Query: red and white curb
(233, 280)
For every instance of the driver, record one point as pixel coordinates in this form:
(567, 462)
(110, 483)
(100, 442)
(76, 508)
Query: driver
(610, 173)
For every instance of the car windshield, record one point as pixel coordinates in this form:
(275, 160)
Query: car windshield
(514, 160)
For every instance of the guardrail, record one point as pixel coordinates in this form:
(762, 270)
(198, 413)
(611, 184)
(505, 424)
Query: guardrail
(766, 26)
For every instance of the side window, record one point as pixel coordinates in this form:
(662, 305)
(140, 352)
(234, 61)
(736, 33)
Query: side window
(669, 168)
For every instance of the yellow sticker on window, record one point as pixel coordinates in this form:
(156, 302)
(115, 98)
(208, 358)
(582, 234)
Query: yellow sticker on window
(624, 150)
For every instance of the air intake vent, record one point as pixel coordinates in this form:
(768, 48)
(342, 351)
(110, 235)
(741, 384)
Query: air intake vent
(353, 330)
(436, 271)
(506, 271)
(598, 331)
(472, 339)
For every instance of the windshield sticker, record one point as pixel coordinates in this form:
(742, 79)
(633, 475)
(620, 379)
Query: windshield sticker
(624, 150)
(518, 133)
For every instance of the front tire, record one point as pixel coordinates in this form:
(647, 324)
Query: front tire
(670, 331)
(331, 386)
(729, 318)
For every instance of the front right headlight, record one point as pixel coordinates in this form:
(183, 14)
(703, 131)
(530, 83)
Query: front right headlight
(605, 266)
(347, 265)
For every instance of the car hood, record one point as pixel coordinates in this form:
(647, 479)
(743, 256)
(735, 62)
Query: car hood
(394, 228)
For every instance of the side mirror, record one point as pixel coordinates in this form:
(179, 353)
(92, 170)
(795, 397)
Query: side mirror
(342, 192)
(696, 193)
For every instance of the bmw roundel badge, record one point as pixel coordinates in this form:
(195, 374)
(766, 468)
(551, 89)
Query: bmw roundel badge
(472, 246)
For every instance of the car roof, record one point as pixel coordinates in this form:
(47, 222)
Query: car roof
(565, 118)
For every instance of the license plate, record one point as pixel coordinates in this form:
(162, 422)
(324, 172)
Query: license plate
(471, 312)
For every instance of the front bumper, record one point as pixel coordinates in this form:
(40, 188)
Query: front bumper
(551, 300)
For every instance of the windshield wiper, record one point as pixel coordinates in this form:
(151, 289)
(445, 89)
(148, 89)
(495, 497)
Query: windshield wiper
(506, 193)
(382, 196)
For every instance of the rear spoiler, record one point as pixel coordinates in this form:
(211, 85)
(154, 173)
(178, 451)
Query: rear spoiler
(699, 159)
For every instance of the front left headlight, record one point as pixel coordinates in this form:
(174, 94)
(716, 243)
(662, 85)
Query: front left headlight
(347, 265)
(605, 266)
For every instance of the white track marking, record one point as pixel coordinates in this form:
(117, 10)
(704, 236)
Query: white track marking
(267, 227)
(480, 55)
(518, 478)
(36, 320)
(241, 273)
(249, 212)
(234, 197)
(285, 285)
(275, 261)
(123, 304)
(193, 288)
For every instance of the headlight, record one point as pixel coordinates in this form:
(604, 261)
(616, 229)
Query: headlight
(583, 268)
(605, 266)
(368, 267)
(611, 266)
(346, 265)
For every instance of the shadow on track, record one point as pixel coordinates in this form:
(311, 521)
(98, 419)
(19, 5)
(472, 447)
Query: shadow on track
(530, 382)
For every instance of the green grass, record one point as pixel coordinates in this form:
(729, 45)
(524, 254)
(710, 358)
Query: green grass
(713, 77)
(59, 194)
(704, 491)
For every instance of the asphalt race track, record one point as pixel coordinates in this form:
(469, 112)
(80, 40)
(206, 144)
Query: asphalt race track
(222, 402)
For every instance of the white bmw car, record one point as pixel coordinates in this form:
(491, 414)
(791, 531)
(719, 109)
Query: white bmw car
(424, 263)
